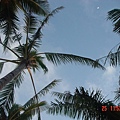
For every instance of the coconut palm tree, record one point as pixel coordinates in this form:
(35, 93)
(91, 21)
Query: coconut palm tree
(9, 110)
(28, 56)
(9, 14)
(88, 105)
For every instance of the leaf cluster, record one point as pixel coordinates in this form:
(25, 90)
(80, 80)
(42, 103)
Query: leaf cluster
(83, 104)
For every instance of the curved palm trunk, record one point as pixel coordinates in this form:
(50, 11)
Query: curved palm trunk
(10, 76)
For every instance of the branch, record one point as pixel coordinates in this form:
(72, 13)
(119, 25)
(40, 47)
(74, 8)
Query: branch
(13, 61)
(9, 48)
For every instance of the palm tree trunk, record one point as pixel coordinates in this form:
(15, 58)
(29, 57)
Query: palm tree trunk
(10, 76)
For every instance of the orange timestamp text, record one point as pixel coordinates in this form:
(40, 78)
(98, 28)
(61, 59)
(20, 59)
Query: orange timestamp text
(111, 108)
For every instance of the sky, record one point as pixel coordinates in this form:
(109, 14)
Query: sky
(81, 28)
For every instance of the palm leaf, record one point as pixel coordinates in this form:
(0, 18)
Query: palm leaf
(7, 97)
(1, 66)
(82, 104)
(42, 92)
(7, 93)
(20, 112)
(6, 47)
(117, 95)
(3, 115)
(41, 64)
(38, 34)
(18, 80)
(58, 58)
(28, 113)
(14, 112)
(20, 50)
(17, 37)
(34, 44)
(113, 58)
(37, 7)
(30, 23)
(49, 15)
(8, 20)
(114, 16)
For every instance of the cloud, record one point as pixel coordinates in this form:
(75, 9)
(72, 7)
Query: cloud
(109, 74)
(106, 82)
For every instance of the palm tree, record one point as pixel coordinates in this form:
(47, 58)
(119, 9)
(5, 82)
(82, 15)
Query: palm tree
(9, 110)
(88, 105)
(9, 14)
(29, 58)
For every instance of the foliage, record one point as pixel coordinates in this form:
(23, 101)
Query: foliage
(13, 111)
(114, 16)
(27, 53)
(83, 104)
(10, 18)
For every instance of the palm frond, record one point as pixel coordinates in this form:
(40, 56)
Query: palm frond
(7, 97)
(37, 7)
(20, 112)
(8, 20)
(38, 34)
(34, 44)
(7, 93)
(30, 111)
(17, 37)
(14, 112)
(66, 96)
(58, 58)
(114, 16)
(3, 115)
(7, 60)
(82, 104)
(18, 80)
(44, 4)
(41, 64)
(36, 62)
(113, 58)
(1, 66)
(46, 89)
(20, 50)
(6, 47)
(50, 15)
(30, 23)
(117, 95)
(42, 92)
